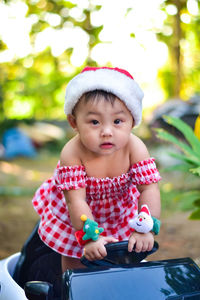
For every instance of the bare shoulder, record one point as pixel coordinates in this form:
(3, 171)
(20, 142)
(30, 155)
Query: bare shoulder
(70, 154)
(138, 150)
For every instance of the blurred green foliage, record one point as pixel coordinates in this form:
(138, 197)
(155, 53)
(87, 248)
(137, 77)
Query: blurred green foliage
(189, 162)
(34, 86)
(181, 75)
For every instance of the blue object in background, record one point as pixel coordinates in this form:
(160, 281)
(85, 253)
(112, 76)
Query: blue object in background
(16, 143)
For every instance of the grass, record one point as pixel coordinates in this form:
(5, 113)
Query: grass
(22, 176)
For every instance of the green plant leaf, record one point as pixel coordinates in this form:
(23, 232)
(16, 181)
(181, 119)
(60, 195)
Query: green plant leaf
(190, 162)
(163, 134)
(195, 215)
(195, 171)
(186, 199)
(197, 203)
(186, 130)
(186, 159)
(181, 167)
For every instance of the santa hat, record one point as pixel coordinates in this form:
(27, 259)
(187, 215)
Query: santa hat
(145, 210)
(114, 80)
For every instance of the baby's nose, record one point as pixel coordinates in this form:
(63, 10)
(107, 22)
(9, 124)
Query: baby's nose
(107, 131)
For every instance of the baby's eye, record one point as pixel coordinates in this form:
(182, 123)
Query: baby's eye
(117, 121)
(94, 122)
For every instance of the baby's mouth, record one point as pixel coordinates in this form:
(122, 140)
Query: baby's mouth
(106, 145)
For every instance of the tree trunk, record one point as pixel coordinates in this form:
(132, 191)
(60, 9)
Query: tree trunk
(177, 50)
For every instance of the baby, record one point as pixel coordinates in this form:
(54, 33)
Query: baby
(105, 172)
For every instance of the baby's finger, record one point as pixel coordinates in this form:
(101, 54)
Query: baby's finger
(150, 246)
(145, 246)
(131, 244)
(98, 256)
(138, 246)
(110, 239)
(93, 256)
(88, 257)
(85, 253)
(88, 254)
(102, 252)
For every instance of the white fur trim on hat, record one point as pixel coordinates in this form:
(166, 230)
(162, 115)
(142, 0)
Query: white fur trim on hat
(116, 81)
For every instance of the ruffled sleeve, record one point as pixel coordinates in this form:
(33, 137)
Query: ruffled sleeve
(145, 172)
(70, 177)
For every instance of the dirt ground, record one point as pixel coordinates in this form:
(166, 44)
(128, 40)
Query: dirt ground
(179, 236)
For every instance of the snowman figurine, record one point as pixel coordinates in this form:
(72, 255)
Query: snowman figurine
(143, 222)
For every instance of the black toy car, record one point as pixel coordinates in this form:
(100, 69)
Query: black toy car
(35, 273)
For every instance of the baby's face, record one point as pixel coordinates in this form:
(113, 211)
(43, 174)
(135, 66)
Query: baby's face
(104, 127)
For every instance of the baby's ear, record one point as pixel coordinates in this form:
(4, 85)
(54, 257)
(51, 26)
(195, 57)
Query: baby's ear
(72, 121)
(133, 124)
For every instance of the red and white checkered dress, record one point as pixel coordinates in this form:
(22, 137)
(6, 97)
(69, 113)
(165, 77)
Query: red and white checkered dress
(113, 202)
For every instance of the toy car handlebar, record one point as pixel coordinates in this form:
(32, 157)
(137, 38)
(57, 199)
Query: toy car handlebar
(123, 245)
(117, 253)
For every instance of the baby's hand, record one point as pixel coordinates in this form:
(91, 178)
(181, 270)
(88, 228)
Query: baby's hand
(96, 250)
(142, 241)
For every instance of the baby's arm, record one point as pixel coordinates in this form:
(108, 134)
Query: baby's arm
(75, 199)
(149, 194)
(77, 206)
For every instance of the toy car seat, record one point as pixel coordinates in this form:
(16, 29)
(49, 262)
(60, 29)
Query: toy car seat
(38, 262)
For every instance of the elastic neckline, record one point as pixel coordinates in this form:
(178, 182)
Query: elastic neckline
(115, 178)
